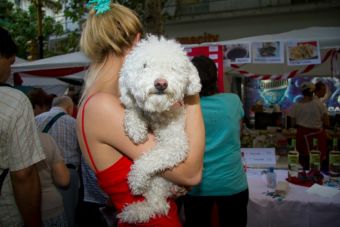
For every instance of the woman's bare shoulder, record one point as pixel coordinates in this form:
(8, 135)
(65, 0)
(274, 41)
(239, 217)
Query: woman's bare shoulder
(103, 110)
(102, 104)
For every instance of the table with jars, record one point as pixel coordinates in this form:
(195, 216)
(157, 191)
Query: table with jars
(288, 203)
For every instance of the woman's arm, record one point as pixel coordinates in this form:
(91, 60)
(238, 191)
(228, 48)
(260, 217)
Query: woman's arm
(104, 117)
(189, 172)
(60, 174)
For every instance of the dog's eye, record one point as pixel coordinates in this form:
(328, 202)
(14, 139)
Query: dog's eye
(144, 65)
(175, 69)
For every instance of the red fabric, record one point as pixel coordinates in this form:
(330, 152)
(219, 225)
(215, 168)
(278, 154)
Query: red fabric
(305, 183)
(17, 79)
(75, 111)
(113, 182)
(307, 179)
(304, 140)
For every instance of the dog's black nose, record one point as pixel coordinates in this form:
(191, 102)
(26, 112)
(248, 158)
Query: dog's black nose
(161, 84)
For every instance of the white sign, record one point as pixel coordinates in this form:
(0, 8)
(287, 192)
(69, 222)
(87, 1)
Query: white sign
(236, 53)
(259, 157)
(303, 52)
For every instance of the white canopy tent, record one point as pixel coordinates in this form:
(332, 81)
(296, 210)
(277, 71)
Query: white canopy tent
(60, 65)
(53, 74)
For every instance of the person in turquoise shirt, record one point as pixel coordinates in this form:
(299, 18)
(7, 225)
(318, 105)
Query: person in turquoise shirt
(224, 180)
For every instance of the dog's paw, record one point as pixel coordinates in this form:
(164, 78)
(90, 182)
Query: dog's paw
(135, 128)
(137, 135)
(139, 212)
(178, 191)
(138, 182)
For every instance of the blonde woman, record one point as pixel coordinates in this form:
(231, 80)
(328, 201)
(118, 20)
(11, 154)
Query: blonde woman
(110, 32)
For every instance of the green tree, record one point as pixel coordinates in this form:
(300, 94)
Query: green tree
(150, 12)
(23, 25)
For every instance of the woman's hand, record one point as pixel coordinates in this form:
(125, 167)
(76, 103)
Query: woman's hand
(178, 191)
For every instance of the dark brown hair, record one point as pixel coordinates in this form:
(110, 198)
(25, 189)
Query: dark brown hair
(39, 97)
(207, 71)
(7, 46)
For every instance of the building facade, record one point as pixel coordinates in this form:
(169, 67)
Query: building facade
(217, 20)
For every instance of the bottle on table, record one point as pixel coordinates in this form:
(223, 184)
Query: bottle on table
(334, 160)
(314, 156)
(293, 160)
(271, 178)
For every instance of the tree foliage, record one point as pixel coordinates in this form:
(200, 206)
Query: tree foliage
(150, 12)
(23, 24)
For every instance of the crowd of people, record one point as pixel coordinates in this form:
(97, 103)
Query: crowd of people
(64, 160)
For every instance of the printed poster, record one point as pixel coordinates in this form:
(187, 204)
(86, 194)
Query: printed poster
(267, 52)
(303, 53)
(236, 53)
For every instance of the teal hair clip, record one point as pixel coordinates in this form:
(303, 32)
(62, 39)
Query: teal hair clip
(101, 6)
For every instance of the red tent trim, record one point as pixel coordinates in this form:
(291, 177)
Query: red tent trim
(56, 72)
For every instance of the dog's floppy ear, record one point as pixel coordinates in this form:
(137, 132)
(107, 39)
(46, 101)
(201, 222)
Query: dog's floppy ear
(125, 96)
(194, 82)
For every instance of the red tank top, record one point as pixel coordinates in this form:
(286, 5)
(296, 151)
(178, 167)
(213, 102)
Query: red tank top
(113, 181)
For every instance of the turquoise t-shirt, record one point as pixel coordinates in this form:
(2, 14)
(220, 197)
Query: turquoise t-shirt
(223, 172)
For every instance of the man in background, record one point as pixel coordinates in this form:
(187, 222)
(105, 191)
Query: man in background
(62, 127)
(20, 149)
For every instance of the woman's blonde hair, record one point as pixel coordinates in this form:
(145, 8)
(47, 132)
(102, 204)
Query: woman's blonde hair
(111, 32)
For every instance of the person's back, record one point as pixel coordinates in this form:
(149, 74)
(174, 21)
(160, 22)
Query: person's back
(17, 151)
(224, 175)
(63, 131)
(310, 116)
(50, 170)
(20, 149)
(224, 181)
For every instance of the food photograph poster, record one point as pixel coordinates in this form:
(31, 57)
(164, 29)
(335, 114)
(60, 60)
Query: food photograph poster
(267, 52)
(236, 53)
(303, 52)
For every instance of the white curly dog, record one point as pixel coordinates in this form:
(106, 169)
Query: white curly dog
(154, 79)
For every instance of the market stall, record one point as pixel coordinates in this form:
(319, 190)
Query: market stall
(270, 70)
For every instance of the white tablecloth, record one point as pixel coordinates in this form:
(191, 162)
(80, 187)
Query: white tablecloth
(298, 208)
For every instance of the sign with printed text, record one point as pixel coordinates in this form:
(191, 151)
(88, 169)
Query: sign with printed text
(259, 157)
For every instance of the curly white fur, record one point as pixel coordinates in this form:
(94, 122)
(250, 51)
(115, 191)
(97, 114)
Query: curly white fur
(148, 107)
